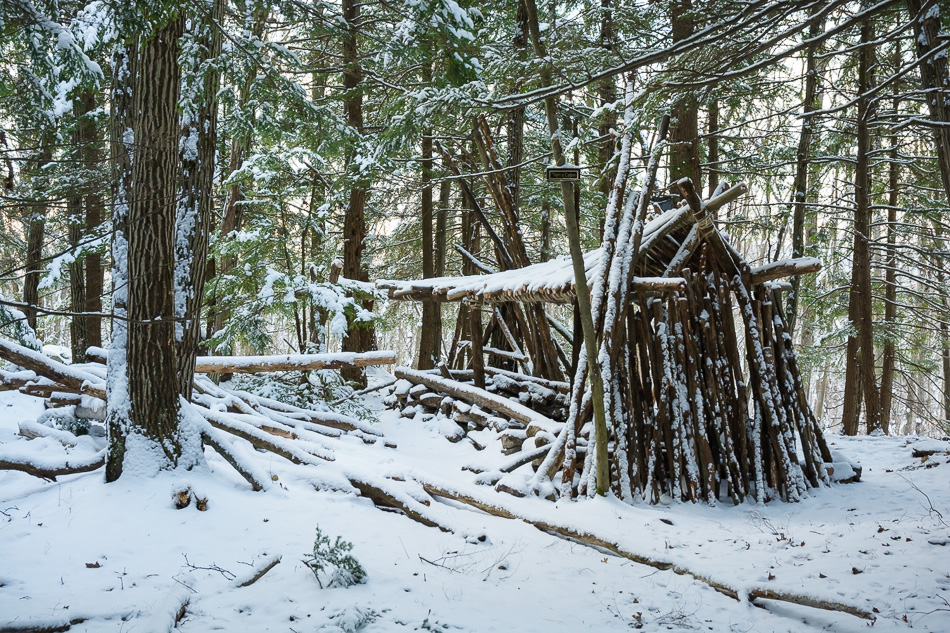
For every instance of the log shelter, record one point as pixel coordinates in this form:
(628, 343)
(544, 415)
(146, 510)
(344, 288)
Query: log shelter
(704, 395)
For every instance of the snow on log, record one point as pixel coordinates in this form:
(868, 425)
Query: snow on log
(290, 362)
(10, 380)
(243, 426)
(218, 440)
(785, 268)
(551, 281)
(50, 469)
(482, 398)
(658, 284)
(32, 430)
(71, 377)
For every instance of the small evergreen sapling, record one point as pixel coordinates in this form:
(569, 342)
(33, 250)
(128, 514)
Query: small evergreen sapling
(334, 561)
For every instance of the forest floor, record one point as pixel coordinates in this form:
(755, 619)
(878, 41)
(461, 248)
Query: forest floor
(121, 558)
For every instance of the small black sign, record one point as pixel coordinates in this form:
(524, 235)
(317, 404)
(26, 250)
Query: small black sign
(563, 173)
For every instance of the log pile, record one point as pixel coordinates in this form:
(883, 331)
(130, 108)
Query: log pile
(704, 396)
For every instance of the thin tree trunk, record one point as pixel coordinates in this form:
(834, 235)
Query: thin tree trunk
(822, 391)
(945, 360)
(429, 351)
(77, 282)
(34, 244)
(359, 336)
(91, 154)
(577, 259)
(811, 102)
(607, 94)
(861, 346)
(890, 278)
(713, 158)
(684, 130)
(516, 116)
(231, 217)
(193, 222)
(940, 265)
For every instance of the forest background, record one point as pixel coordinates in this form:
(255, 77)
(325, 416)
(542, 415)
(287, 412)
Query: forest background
(320, 145)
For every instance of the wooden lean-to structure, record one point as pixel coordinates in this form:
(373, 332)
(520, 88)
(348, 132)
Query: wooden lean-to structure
(703, 392)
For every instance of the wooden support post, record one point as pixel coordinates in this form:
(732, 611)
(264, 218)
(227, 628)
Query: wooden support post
(478, 358)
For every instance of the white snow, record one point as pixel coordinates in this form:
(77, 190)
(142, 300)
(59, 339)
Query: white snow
(119, 556)
(554, 275)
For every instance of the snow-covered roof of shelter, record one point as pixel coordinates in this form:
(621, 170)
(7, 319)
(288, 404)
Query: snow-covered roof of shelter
(551, 281)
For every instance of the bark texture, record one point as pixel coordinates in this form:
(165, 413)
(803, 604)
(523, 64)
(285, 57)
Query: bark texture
(360, 336)
(152, 353)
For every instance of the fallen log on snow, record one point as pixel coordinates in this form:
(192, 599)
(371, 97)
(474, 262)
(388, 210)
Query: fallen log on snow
(52, 471)
(72, 378)
(497, 508)
(290, 362)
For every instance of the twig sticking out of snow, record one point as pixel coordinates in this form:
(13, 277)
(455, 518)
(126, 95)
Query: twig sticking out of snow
(273, 562)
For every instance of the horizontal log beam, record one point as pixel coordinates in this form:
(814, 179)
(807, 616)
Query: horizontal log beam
(289, 362)
(658, 284)
(497, 508)
(785, 268)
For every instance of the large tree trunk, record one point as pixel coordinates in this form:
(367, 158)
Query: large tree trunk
(861, 346)
(193, 219)
(811, 102)
(151, 412)
(935, 82)
(120, 132)
(360, 337)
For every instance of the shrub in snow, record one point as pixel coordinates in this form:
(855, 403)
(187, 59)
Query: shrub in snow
(349, 620)
(334, 562)
(64, 418)
(321, 388)
(13, 324)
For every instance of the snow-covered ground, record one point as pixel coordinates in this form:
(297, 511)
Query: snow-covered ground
(120, 557)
